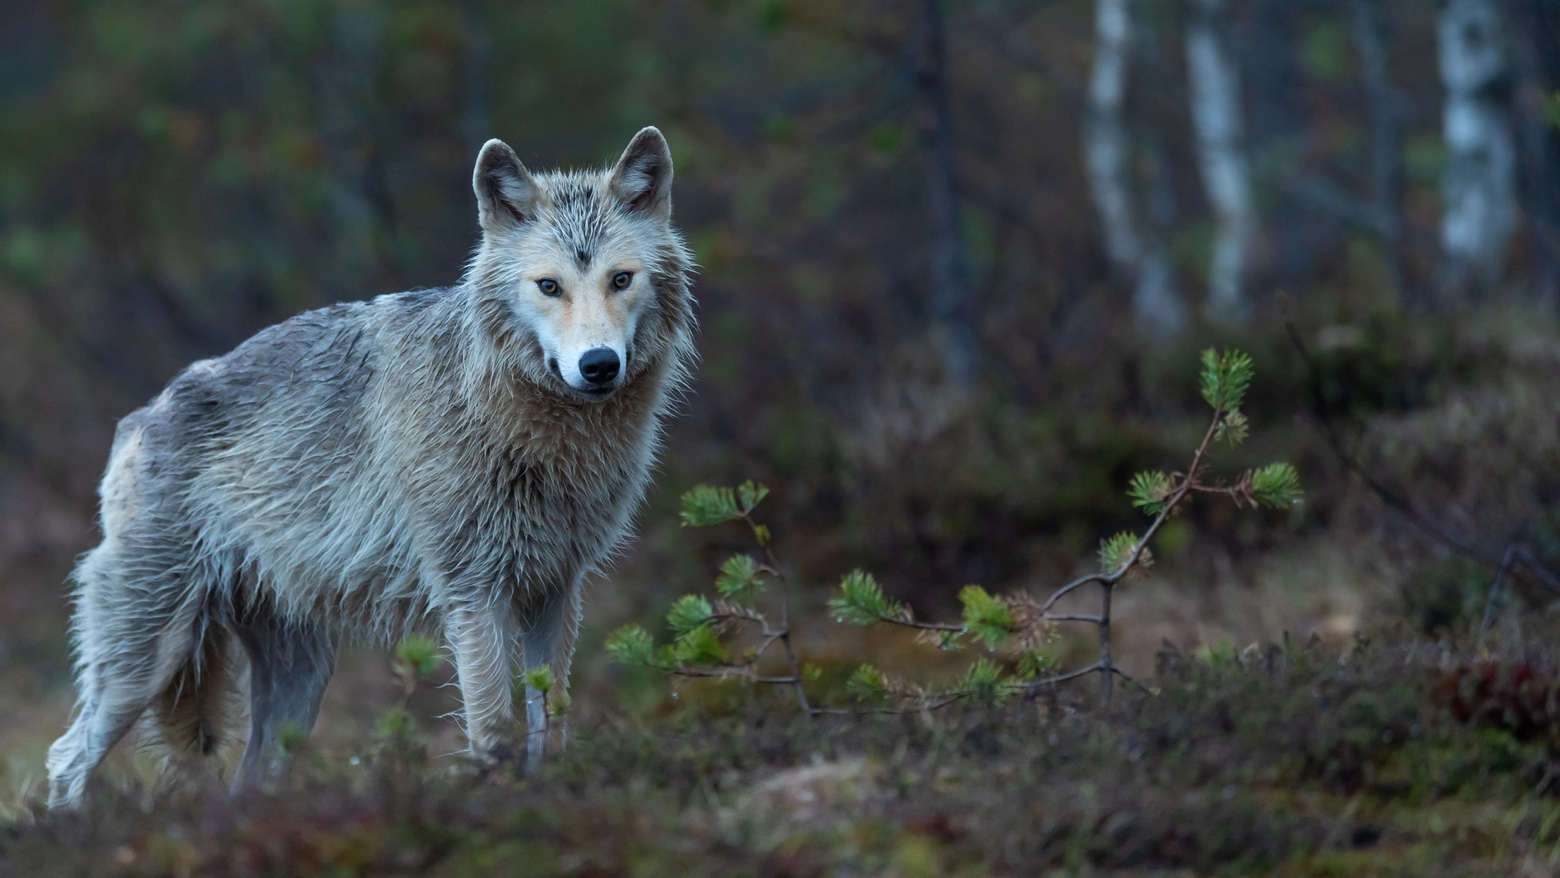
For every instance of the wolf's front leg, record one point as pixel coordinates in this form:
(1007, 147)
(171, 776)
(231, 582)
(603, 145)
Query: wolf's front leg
(479, 638)
(547, 638)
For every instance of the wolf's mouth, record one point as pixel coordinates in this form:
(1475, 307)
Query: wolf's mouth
(584, 393)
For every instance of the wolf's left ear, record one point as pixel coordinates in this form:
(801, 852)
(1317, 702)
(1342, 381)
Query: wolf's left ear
(643, 176)
(507, 195)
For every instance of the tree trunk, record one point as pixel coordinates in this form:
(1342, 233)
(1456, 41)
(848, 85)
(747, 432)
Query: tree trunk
(1386, 177)
(1479, 185)
(1276, 141)
(1217, 120)
(1135, 252)
(953, 310)
(1541, 143)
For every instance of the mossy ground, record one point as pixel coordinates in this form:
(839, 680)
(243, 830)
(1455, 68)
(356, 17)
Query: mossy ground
(1403, 756)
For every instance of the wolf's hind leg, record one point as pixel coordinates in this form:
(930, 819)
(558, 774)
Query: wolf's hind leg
(130, 650)
(289, 667)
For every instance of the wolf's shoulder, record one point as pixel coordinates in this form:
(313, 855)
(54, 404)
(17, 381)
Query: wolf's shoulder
(325, 355)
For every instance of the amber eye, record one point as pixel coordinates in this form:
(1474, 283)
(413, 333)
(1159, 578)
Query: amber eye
(621, 280)
(548, 286)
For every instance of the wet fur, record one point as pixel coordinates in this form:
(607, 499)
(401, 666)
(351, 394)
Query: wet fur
(411, 463)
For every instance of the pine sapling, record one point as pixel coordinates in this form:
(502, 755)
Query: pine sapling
(1025, 623)
(702, 628)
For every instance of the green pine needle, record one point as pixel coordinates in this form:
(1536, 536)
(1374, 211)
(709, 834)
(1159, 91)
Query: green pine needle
(989, 619)
(1276, 485)
(632, 645)
(418, 656)
(984, 680)
(689, 612)
(739, 578)
(1150, 492)
(1226, 378)
(539, 678)
(1034, 665)
(1117, 551)
(1233, 429)
(705, 506)
(750, 494)
(866, 684)
(700, 646)
(861, 601)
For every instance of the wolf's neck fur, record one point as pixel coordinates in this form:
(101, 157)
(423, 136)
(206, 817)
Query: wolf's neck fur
(507, 388)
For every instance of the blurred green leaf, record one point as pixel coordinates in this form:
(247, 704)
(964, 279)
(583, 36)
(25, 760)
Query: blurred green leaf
(984, 680)
(1276, 485)
(1232, 429)
(739, 578)
(866, 683)
(700, 646)
(1033, 665)
(861, 601)
(750, 494)
(1117, 551)
(1226, 378)
(1150, 492)
(632, 645)
(689, 612)
(539, 678)
(705, 506)
(418, 656)
(989, 619)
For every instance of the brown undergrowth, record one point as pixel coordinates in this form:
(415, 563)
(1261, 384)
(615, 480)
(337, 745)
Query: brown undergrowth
(1403, 756)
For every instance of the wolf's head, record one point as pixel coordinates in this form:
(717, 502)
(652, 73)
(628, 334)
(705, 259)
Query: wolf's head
(583, 279)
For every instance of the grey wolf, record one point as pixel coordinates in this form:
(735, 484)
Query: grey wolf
(451, 460)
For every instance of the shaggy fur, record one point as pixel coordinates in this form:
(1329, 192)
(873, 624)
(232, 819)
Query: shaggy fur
(430, 460)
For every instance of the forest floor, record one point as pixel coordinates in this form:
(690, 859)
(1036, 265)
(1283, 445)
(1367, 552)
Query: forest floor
(1326, 713)
(1397, 756)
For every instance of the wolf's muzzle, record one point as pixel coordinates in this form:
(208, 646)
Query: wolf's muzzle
(600, 366)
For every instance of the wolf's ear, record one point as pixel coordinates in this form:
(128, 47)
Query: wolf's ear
(642, 179)
(507, 195)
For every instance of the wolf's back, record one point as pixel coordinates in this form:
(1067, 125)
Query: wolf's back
(267, 464)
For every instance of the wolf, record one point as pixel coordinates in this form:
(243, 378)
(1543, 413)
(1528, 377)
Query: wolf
(449, 461)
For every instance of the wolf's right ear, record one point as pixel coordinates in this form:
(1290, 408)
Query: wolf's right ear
(642, 179)
(507, 195)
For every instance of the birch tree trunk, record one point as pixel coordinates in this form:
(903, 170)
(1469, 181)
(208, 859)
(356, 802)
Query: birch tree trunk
(1136, 253)
(1479, 184)
(953, 308)
(1371, 40)
(1219, 126)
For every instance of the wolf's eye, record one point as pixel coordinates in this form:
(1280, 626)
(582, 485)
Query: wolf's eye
(621, 280)
(548, 286)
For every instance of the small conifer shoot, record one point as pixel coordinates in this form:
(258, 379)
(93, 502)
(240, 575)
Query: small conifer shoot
(1016, 625)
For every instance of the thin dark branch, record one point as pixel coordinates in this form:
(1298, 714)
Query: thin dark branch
(1062, 678)
(1392, 499)
(1500, 580)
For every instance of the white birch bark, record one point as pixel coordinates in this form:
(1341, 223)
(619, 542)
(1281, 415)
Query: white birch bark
(1479, 186)
(1220, 131)
(1134, 251)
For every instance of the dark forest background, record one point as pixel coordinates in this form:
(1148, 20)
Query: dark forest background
(956, 260)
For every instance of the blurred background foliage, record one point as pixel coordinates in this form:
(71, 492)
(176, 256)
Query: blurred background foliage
(861, 182)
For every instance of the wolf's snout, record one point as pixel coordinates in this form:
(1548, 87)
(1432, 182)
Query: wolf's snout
(599, 365)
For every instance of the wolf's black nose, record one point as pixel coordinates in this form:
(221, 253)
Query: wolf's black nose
(599, 365)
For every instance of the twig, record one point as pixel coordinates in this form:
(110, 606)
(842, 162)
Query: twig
(1062, 678)
(784, 633)
(1545, 577)
(1500, 580)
